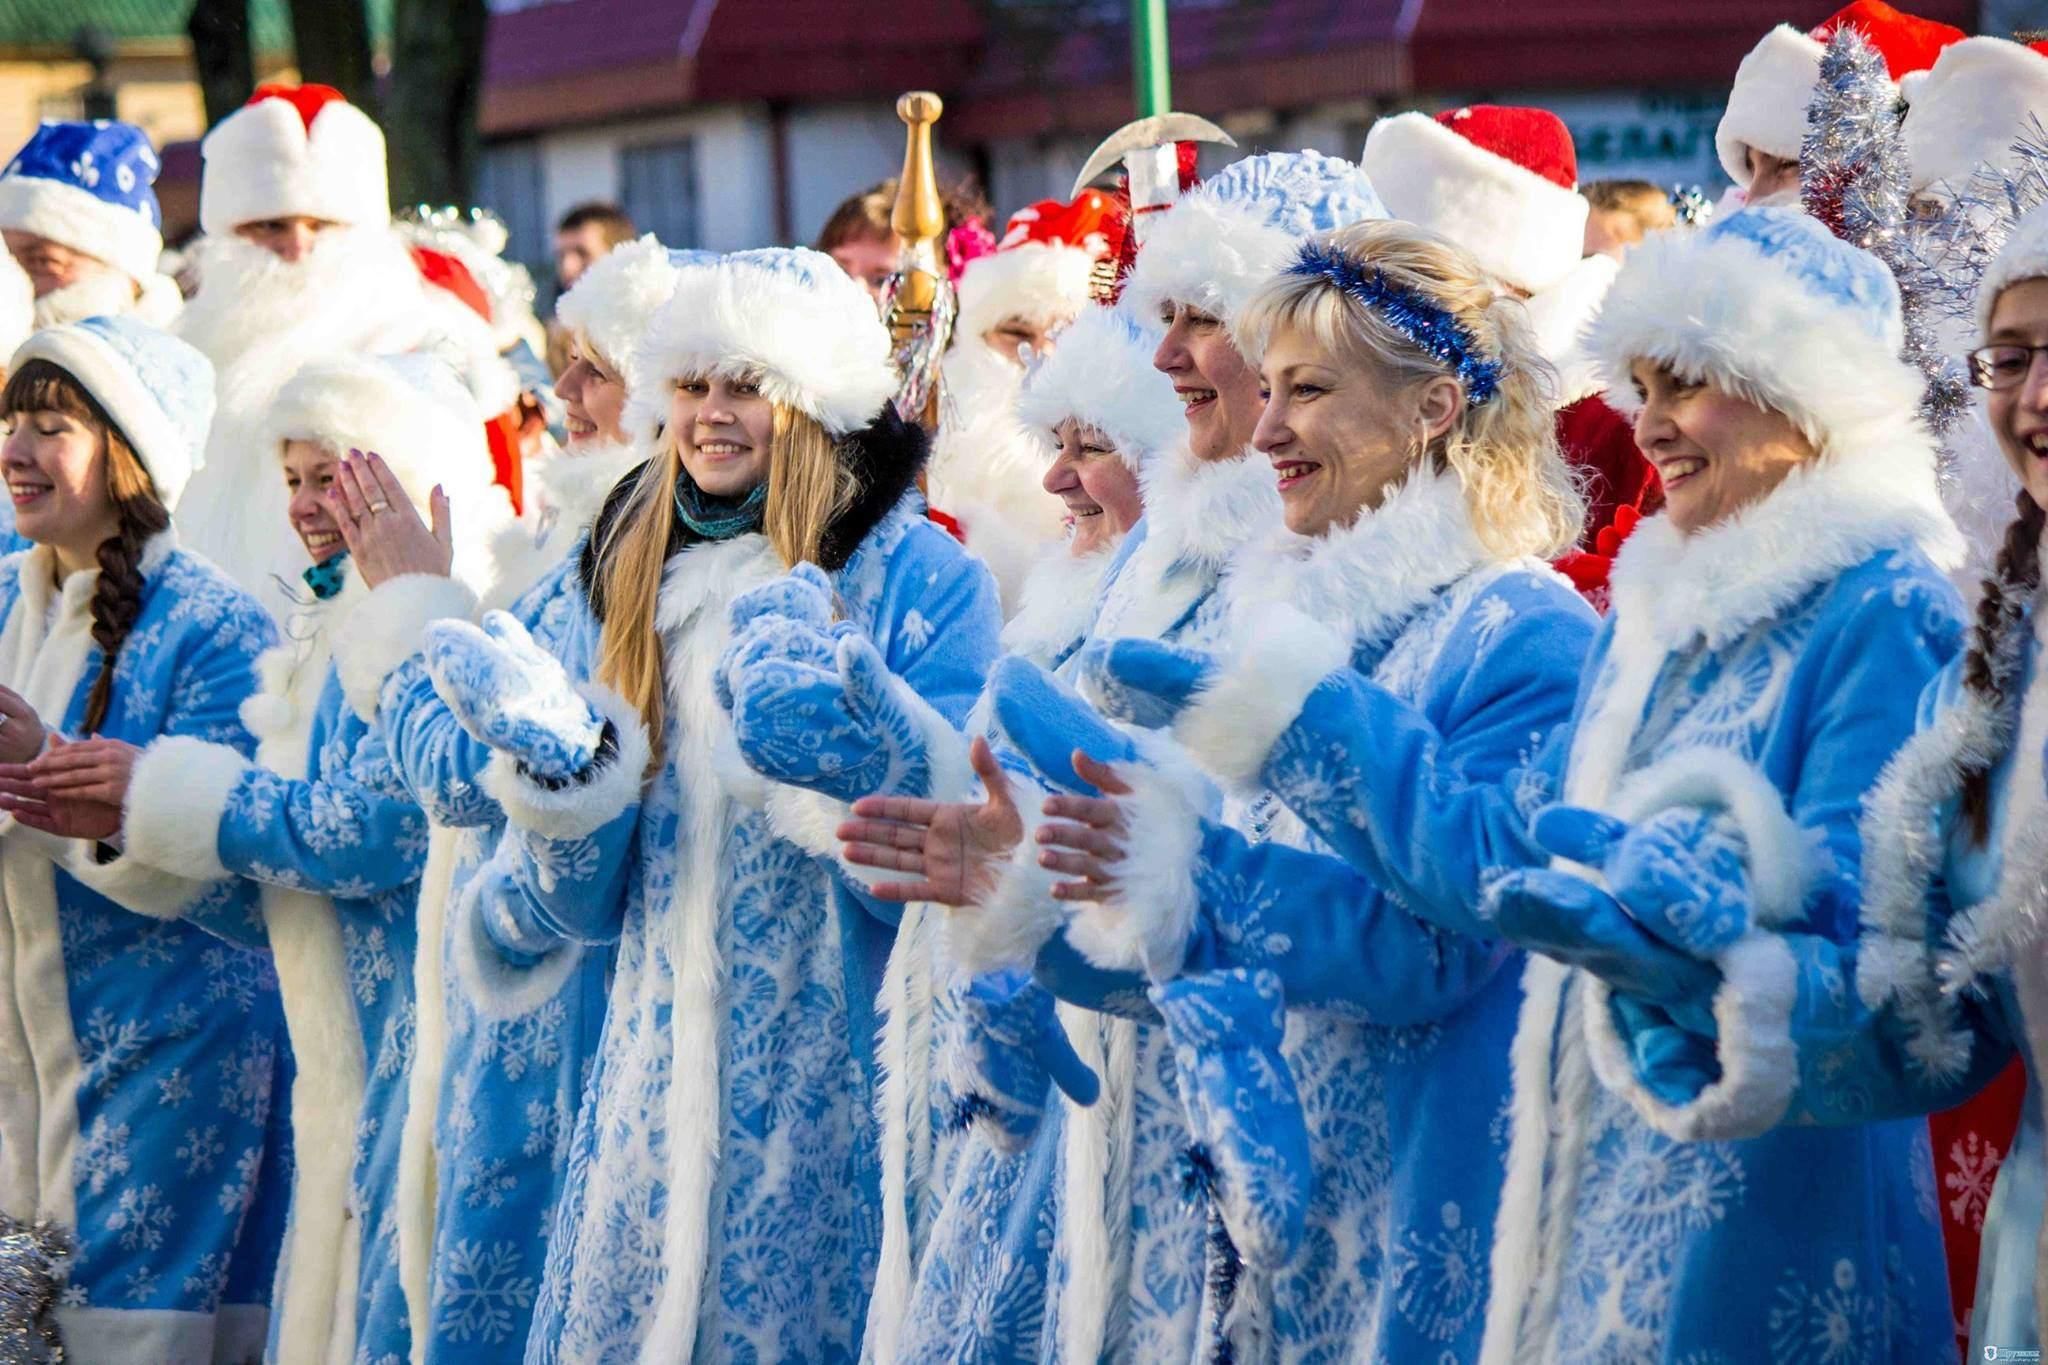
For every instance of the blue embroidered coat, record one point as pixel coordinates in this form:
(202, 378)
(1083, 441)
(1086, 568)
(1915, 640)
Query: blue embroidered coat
(1400, 1030)
(143, 1008)
(723, 1192)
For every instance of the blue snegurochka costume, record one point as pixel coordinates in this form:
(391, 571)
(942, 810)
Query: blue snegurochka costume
(145, 1038)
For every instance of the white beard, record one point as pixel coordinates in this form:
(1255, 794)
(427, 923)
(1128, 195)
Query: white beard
(986, 469)
(104, 293)
(356, 290)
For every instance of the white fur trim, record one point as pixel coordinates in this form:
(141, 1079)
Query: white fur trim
(1019, 915)
(583, 808)
(903, 1104)
(417, 1175)
(317, 1302)
(1232, 725)
(614, 300)
(177, 794)
(1759, 1065)
(1781, 861)
(388, 627)
(120, 389)
(1057, 603)
(1146, 925)
(1767, 104)
(1096, 1148)
(809, 335)
(1100, 373)
(1198, 515)
(132, 884)
(496, 988)
(1038, 281)
(72, 217)
(1522, 228)
(1208, 254)
(263, 162)
(1970, 107)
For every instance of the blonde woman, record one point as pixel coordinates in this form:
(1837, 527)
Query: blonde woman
(1407, 425)
(723, 1192)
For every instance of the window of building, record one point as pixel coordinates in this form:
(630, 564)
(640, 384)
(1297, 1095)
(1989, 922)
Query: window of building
(658, 189)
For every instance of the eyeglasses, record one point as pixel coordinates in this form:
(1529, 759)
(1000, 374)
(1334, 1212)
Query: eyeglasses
(2002, 367)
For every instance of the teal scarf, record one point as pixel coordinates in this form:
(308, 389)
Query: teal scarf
(715, 518)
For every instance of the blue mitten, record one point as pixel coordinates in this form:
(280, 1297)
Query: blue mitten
(1683, 873)
(1569, 919)
(842, 731)
(1015, 1046)
(1143, 682)
(1242, 1108)
(803, 594)
(512, 695)
(771, 637)
(1045, 721)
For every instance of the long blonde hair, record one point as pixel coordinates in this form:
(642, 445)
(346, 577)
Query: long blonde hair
(808, 486)
(1517, 486)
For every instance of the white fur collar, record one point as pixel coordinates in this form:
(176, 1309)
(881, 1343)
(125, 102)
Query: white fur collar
(1058, 602)
(709, 575)
(1366, 578)
(573, 485)
(1206, 510)
(1826, 517)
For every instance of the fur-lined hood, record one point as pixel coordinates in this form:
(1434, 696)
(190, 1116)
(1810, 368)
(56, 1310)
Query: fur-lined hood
(885, 456)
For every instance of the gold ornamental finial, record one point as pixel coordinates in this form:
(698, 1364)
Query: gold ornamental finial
(919, 216)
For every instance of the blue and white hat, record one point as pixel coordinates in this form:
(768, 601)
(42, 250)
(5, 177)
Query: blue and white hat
(88, 186)
(1239, 228)
(157, 389)
(789, 317)
(614, 300)
(1769, 304)
(1100, 374)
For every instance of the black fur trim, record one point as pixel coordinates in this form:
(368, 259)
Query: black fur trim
(885, 455)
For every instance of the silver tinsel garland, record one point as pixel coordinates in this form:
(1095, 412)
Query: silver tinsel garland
(1855, 178)
(32, 1260)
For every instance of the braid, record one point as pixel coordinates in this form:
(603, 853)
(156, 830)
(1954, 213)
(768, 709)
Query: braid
(117, 596)
(1989, 667)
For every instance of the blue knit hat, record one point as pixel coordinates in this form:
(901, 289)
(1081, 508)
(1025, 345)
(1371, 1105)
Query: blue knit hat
(88, 186)
(156, 388)
(1769, 304)
(1239, 228)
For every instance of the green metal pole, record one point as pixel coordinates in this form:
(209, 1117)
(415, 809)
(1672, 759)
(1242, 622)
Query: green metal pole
(1152, 75)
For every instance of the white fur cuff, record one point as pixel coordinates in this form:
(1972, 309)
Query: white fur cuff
(1781, 856)
(388, 627)
(1233, 724)
(1146, 927)
(131, 884)
(580, 809)
(176, 797)
(1759, 1064)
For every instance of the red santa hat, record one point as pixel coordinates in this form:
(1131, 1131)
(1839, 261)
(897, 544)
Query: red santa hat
(293, 151)
(1041, 267)
(1499, 180)
(1767, 106)
(1971, 106)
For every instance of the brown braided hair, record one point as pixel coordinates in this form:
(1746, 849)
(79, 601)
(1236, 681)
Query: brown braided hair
(1992, 663)
(139, 513)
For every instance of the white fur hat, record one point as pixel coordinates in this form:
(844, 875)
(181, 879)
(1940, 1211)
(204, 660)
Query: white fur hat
(293, 151)
(2023, 257)
(787, 316)
(1040, 269)
(1767, 304)
(612, 302)
(1971, 106)
(1500, 181)
(1101, 374)
(1230, 234)
(1767, 105)
(412, 410)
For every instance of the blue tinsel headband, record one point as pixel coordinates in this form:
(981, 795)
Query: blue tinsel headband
(1429, 328)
